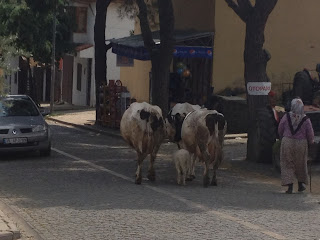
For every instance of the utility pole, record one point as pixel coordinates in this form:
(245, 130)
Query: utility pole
(53, 75)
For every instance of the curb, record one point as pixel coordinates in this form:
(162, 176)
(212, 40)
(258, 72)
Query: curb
(9, 230)
(106, 132)
(235, 136)
(86, 127)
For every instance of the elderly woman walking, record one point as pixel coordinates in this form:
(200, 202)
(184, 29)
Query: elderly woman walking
(296, 132)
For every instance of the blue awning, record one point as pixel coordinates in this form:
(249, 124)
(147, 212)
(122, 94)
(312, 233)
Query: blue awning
(133, 46)
(189, 52)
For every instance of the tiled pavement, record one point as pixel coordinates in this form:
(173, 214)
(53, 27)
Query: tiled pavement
(85, 118)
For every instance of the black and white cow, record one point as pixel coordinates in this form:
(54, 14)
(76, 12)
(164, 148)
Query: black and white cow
(203, 134)
(142, 127)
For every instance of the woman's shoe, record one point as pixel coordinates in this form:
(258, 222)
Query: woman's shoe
(290, 188)
(301, 187)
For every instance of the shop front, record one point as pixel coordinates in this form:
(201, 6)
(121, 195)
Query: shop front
(191, 71)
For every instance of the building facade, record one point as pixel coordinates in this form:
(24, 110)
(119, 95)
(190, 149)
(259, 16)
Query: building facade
(290, 37)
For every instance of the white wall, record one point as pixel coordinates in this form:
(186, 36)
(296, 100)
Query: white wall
(9, 81)
(93, 86)
(80, 97)
(88, 36)
(115, 28)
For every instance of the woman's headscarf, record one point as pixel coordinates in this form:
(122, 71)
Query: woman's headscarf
(297, 112)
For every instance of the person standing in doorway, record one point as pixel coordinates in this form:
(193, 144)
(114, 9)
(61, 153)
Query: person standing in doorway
(296, 132)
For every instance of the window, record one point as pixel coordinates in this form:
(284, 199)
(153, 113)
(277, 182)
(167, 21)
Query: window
(79, 76)
(81, 19)
(17, 107)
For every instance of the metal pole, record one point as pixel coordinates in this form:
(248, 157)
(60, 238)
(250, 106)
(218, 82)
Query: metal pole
(310, 165)
(61, 82)
(53, 75)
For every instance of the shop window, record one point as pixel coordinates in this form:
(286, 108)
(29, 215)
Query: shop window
(79, 76)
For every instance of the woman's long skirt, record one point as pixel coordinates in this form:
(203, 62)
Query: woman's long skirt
(293, 160)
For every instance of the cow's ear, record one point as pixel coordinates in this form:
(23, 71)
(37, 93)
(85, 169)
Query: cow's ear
(221, 122)
(144, 114)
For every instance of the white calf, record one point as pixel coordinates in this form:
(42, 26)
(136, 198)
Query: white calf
(182, 161)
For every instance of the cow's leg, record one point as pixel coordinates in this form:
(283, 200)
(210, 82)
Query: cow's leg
(151, 173)
(216, 165)
(183, 177)
(191, 171)
(206, 178)
(214, 177)
(178, 176)
(141, 157)
(193, 166)
(206, 159)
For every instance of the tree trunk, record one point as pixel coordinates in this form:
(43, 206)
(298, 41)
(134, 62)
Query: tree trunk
(100, 49)
(256, 59)
(162, 61)
(160, 57)
(31, 85)
(160, 84)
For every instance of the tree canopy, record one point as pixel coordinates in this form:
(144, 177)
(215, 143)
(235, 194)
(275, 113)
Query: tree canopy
(156, 14)
(31, 21)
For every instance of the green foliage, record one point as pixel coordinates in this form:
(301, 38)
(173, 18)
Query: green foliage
(130, 10)
(7, 51)
(31, 21)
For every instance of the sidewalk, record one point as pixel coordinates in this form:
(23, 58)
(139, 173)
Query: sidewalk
(85, 118)
(8, 230)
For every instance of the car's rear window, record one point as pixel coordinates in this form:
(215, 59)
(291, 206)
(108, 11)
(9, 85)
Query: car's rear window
(17, 107)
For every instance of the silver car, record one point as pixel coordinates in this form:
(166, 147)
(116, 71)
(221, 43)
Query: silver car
(22, 126)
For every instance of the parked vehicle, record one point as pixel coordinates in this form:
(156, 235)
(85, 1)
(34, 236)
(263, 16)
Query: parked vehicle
(22, 126)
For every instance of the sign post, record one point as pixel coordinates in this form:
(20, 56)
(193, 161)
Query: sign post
(258, 88)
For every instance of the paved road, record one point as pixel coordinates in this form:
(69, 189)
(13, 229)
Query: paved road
(85, 190)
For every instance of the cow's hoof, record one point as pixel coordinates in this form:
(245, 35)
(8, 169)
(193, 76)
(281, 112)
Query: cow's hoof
(190, 178)
(151, 177)
(138, 180)
(205, 182)
(214, 183)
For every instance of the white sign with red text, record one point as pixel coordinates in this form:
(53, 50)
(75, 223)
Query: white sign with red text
(258, 88)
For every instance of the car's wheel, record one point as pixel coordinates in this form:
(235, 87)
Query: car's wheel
(46, 152)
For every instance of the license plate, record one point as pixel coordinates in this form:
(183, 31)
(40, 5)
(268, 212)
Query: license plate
(15, 140)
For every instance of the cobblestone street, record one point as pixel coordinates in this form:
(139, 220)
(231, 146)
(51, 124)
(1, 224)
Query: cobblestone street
(86, 190)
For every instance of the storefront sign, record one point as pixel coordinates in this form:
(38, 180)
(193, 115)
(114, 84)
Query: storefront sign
(258, 88)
